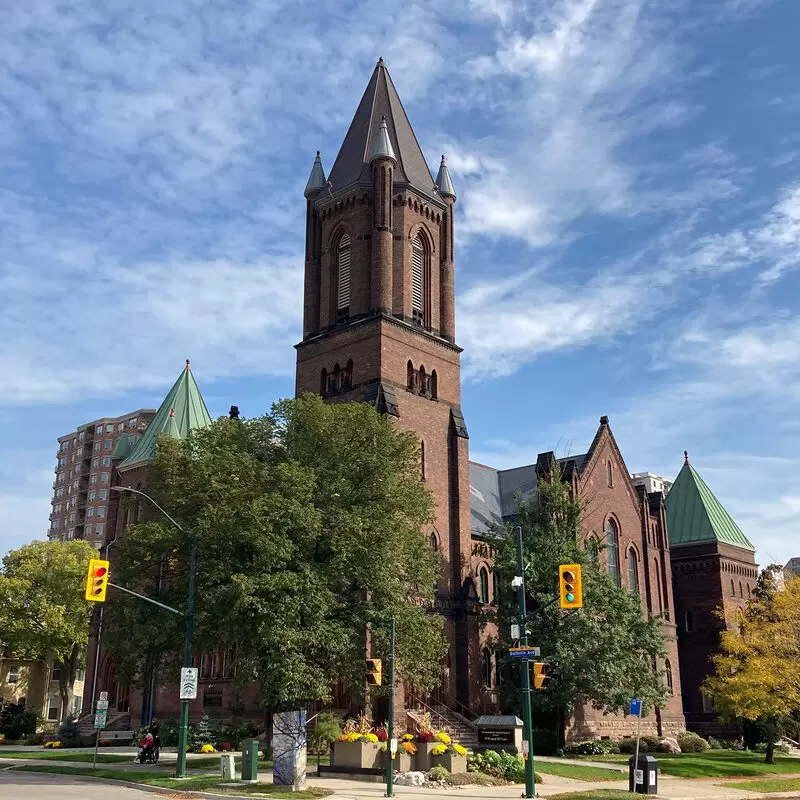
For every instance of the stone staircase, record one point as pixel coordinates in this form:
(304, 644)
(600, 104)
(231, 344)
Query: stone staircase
(117, 721)
(459, 728)
(794, 747)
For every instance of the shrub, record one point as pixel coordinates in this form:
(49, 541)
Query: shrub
(327, 730)
(761, 747)
(17, 723)
(68, 732)
(505, 765)
(647, 744)
(202, 733)
(600, 747)
(690, 742)
(724, 744)
(438, 774)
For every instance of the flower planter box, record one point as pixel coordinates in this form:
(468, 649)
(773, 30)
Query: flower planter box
(422, 759)
(402, 761)
(363, 755)
(453, 763)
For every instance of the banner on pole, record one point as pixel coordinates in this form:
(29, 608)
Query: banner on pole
(636, 708)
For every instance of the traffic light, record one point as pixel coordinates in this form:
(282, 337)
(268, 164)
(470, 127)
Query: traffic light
(97, 580)
(570, 586)
(540, 674)
(374, 672)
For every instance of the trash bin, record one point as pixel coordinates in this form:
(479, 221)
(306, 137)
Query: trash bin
(643, 775)
(250, 760)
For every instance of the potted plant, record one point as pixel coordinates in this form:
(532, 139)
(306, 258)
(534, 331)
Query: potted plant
(452, 756)
(402, 758)
(426, 741)
(358, 746)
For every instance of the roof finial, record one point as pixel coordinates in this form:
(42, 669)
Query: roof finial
(188, 365)
(316, 180)
(685, 458)
(380, 61)
(172, 412)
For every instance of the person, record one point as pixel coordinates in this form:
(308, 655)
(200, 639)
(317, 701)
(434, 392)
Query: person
(146, 744)
(154, 730)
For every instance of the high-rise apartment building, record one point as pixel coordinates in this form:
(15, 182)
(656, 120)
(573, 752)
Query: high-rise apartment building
(83, 474)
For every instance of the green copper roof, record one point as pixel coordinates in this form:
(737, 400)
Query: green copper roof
(183, 410)
(695, 515)
(123, 448)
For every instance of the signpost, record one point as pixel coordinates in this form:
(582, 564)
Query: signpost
(636, 710)
(189, 680)
(524, 652)
(100, 721)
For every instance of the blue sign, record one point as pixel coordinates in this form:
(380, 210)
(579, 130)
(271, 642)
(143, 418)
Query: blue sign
(525, 652)
(636, 708)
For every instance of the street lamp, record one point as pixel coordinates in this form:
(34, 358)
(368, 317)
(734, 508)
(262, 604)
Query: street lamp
(183, 733)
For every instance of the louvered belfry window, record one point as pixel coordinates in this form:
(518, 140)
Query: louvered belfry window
(418, 279)
(343, 279)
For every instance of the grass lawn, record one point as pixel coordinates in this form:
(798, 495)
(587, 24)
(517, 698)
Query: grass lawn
(203, 783)
(766, 785)
(66, 755)
(718, 764)
(580, 773)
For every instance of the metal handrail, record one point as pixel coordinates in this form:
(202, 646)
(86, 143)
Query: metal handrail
(431, 710)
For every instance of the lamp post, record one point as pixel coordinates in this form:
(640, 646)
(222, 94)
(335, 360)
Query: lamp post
(183, 733)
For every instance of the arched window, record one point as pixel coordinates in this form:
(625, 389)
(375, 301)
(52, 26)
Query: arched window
(434, 543)
(748, 590)
(422, 459)
(418, 283)
(434, 385)
(343, 278)
(423, 380)
(633, 571)
(610, 470)
(335, 378)
(483, 585)
(495, 587)
(323, 382)
(411, 377)
(668, 676)
(741, 590)
(487, 668)
(612, 549)
(347, 376)
(657, 573)
(688, 622)
(733, 588)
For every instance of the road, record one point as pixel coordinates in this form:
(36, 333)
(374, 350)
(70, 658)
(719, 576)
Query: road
(32, 786)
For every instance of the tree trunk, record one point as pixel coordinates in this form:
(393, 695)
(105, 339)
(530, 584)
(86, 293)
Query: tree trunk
(66, 683)
(769, 758)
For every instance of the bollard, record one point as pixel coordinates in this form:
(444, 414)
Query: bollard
(226, 766)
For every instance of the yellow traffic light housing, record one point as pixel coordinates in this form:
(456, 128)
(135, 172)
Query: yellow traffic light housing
(570, 586)
(374, 672)
(97, 580)
(540, 674)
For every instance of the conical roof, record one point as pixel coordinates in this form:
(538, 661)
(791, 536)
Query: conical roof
(123, 447)
(352, 164)
(316, 180)
(383, 146)
(695, 515)
(443, 182)
(183, 410)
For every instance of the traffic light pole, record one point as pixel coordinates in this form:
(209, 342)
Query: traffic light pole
(183, 733)
(527, 714)
(390, 756)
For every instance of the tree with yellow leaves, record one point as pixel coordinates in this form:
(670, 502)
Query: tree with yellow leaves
(756, 669)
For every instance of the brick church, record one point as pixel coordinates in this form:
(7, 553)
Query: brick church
(379, 327)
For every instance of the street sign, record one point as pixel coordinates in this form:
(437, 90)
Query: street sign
(516, 632)
(189, 676)
(104, 695)
(524, 652)
(636, 708)
(102, 705)
(100, 718)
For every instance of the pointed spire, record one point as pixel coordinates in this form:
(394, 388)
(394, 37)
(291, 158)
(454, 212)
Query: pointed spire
(380, 102)
(171, 426)
(382, 147)
(316, 180)
(443, 182)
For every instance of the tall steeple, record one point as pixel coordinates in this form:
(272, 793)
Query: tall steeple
(380, 103)
(316, 180)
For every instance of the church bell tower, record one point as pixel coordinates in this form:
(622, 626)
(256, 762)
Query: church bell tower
(379, 321)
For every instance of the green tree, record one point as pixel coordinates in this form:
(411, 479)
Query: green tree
(308, 523)
(43, 612)
(603, 654)
(755, 676)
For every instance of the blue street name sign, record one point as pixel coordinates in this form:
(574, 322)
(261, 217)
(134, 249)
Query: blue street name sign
(525, 652)
(636, 708)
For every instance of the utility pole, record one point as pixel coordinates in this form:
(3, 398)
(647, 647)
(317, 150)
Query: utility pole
(390, 755)
(527, 714)
(183, 733)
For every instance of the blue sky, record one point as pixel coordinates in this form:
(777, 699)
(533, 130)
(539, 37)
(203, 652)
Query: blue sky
(628, 223)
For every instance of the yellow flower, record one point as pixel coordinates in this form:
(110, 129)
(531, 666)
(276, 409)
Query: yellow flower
(207, 748)
(439, 750)
(462, 751)
(408, 737)
(353, 736)
(443, 737)
(371, 737)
